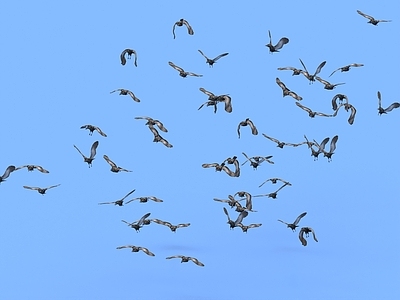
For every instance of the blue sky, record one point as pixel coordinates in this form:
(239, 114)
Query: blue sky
(61, 60)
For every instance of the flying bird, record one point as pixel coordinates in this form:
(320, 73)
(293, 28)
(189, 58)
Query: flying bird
(90, 159)
(119, 202)
(311, 113)
(273, 195)
(310, 77)
(346, 68)
(138, 224)
(33, 167)
(172, 227)
(41, 190)
(279, 143)
(137, 249)
(294, 224)
(328, 85)
(159, 138)
(182, 72)
(239, 219)
(316, 153)
(286, 91)
(92, 128)
(332, 147)
(180, 23)
(275, 181)
(341, 97)
(145, 199)
(211, 62)
(306, 231)
(283, 41)
(152, 122)
(7, 173)
(114, 167)
(295, 71)
(213, 100)
(186, 259)
(372, 20)
(255, 161)
(124, 92)
(392, 106)
(220, 167)
(129, 52)
(246, 122)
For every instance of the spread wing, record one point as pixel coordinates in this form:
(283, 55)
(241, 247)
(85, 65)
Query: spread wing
(392, 106)
(147, 251)
(31, 187)
(7, 172)
(219, 56)
(304, 108)
(99, 131)
(213, 165)
(228, 105)
(333, 144)
(281, 84)
(133, 96)
(299, 218)
(282, 41)
(196, 261)
(301, 237)
(122, 56)
(189, 28)
(93, 149)
(365, 15)
(109, 161)
(179, 69)
(53, 186)
(79, 151)
(319, 68)
(209, 94)
(39, 168)
(254, 130)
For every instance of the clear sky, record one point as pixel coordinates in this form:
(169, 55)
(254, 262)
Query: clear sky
(60, 61)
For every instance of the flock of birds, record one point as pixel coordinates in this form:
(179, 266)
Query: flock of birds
(230, 165)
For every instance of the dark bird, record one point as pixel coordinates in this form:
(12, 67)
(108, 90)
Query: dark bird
(172, 227)
(316, 153)
(346, 68)
(232, 202)
(138, 224)
(294, 224)
(182, 72)
(286, 91)
(158, 137)
(220, 167)
(7, 173)
(353, 112)
(246, 122)
(392, 106)
(275, 181)
(213, 100)
(273, 195)
(145, 199)
(306, 230)
(152, 122)
(92, 128)
(239, 219)
(33, 167)
(249, 202)
(279, 45)
(295, 71)
(281, 144)
(311, 78)
(186, 259)
(332, 147)
(137, 249)
(246, 227)
(114, 167)
(311, 113)
(328, 85)
(371, 19)
(180, 23)
(129, 52)
(90, 159)
(341, 97)
(255, 161)
(211, 62)
(126, 92)
(119, 202)
(41, 190)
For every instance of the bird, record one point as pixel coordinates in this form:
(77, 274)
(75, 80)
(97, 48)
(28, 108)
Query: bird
(211, 62)
(137, 249)
(182, 72)
(294, 224)
(286, 91)
(346, 68)
(249, 203)
(90, 159)
(124, 92)
(138, 224)
(255, 161)
(283, 41)
(392, 106)
(341, 97)
(246, 122)
(279, 143)
(129, 52)
(158, 137)
(231, 201)
(273, 195)
(41, 190)
(332, 148)
(246, 227)
(172, 227)
(306, 230)
(33, 167)
(295, 71)
(328, 85)
(186, 259)
(152, 122)
(213, 100)
(311, 113)
(310, 77)
(372, 20)
(220, 167)
(119, 202)
(274, 181)
(353, 112)
(92, 128)
(7, 173)
(239, 219)
(320, 147)
(145, 199)
(182, 22)
(114, 167)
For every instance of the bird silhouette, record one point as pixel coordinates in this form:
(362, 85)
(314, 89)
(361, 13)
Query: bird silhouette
(168, 224)
(114, 167)
(283, 41)
(119, 202)
(311, 113)
(294, 224)
(180, 23)
(137, 249)
(328, 85)
(145, 199)
(310, 77)
(186, 259)
(182, 72)
(306, 231)
(92, 128)
(372, 20)
(41, 190)
(346, 68)
(138, 224)
(152, 122)
(286, 91)
(129, 52)
(246, 122)
(211, 62)
(279, 143)
(382, 110)
(33, 167)
(90, 159)
(124, 92)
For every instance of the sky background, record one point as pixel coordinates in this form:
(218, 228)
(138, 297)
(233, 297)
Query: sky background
(60, 60)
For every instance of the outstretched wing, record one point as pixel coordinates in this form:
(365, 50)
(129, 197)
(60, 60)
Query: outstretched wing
(196, 261)
(301, 237)
(208, 93)
(147, 251)
(365, 15)
(53, 186)
(93, 149)
(41, 169)
(319, 68)
(189, 28)
(299, 218)
(203, 54)
(109, 161)
(335, 71)
(281, 84)
(99, 131)
(219, 56)
(79, 151)
(282, 41)
(133, 96)
(333, 144)
(304, 108)
(7, 172)
(227, 100)
(392, 106)
(179, 69)
(254, 130)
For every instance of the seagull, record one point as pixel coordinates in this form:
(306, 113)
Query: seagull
(182, 22)
(311, 78)
(286, 91)
(92, 128)
(152, 122)
(137, 249)
(294, 224)
(114, 167)
(90, 159)
(328, 85)
(392, 106)
(283, 41)
(346, 68)
(295, 71)
(274, 181)
(182, 72)
(239, 219)
(186, 259)
(138, 224)
(172, 227)
(311, 113)
(7, 173)
(306, 230)
(211, 62)
(145, 199)
(246, 122)
(41, 190)
(371, 19)
(33, 167)
(126, 92)
(129, 52)
(119, 202)
(255, 161)
(281, 144)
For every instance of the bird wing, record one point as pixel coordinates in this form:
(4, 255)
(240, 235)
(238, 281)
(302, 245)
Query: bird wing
(322, 80)
(282, 41)
(304, 108)
(281, 84)
(333, 143)
(128, 195)
(213, 165)
(175, 256)
(305, 72)
(295, 96)
(203, 54)
(241, 216)
(299, 218)
(140, 222)
(41, 169)
(189, 28)
(219, 56)
(165, 143)
(175, 67)
(173, 29)
(365, 15)
(392, 106)
(254, 130)
(53, 186)
(196, 261)
(245, 155)
(122, 56)
(147, 251)
(228, 105)
(31, 187)
(334, 71)
(352, 114)
(301, 237)
(155, 199)
(79, 151)
(227, 214)
(93, 149)
(209, 94)
(313, 233)
(319, 68)
(99, 131)
(133, 96)
(183, 225)
(7, 172)
(109, 161)
(380, 99)
(126, 246)
(283, 222)
(271, 138)
(160, 125)
(270, 37)
(193, 74)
